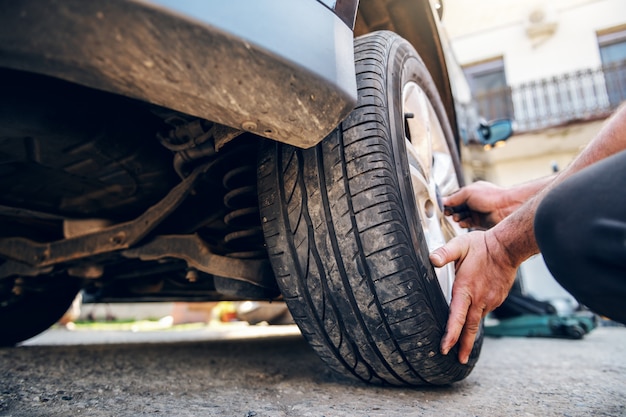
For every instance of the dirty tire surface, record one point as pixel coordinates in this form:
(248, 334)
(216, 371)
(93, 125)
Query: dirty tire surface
(343, 238)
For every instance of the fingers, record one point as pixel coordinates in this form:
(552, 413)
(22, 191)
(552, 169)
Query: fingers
(459, 307)
(459, 214)
(467, 218)
(449, 210)
(469, 332)
(463, 324)
(457, 198)
(463, 218)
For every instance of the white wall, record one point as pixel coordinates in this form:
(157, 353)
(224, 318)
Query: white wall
(484, 29)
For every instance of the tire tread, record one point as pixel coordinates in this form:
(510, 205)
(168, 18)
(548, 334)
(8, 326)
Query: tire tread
(346, 263)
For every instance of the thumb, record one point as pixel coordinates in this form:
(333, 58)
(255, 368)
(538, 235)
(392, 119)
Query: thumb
(451, 251)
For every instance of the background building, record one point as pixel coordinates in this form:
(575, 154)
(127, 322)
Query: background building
(557, 68)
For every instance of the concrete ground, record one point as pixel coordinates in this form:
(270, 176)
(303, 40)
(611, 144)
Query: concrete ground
(271, 371)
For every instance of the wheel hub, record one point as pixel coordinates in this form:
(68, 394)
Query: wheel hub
(432, 175)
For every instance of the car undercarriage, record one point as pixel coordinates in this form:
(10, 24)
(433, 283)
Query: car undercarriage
(97, 182)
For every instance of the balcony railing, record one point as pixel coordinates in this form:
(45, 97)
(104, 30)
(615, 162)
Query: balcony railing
(568, 98)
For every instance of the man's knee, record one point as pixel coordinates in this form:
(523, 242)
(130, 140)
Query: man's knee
(557, 226)
(561, 230)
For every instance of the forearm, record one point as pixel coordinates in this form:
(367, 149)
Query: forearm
(610, 140)
(516, 232)
(518, 195)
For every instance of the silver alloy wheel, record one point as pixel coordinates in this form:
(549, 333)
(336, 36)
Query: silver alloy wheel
(432, 175)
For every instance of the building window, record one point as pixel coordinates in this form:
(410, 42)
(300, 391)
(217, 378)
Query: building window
(487, 81)
(612, 45)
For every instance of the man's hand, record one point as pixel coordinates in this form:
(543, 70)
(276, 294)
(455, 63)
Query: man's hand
(480, 205)
(484, 276)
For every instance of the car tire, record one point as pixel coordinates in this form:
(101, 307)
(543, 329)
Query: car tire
(31, 305)
(348, 231)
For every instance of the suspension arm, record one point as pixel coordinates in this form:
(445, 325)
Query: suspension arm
(114, 238)
(193, 250)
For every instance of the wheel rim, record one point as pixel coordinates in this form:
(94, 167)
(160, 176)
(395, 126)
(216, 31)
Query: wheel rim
(433, 175)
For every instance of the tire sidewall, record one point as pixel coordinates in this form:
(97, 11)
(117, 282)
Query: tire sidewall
(403, 67)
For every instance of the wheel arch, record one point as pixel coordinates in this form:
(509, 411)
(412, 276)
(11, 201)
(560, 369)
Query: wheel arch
(417, 22)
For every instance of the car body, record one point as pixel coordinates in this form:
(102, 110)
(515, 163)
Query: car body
(130, 134)
(159, 51)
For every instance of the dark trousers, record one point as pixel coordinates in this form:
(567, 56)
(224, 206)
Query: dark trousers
(580, 227)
